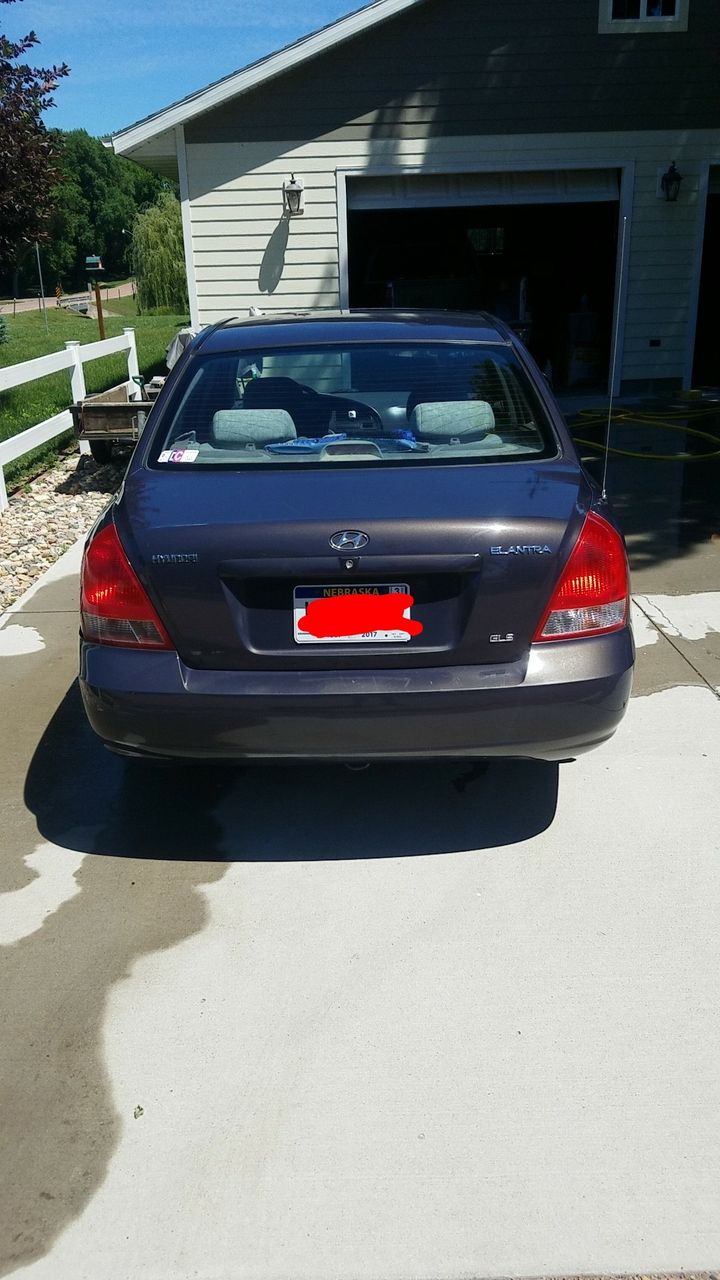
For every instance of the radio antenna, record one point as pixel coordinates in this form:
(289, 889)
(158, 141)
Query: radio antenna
(621, 282)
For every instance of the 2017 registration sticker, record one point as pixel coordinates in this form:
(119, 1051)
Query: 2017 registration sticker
(360, 613)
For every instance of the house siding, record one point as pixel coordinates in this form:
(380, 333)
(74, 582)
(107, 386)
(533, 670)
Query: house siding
(236, 209)
(467, 67)
(464, 86)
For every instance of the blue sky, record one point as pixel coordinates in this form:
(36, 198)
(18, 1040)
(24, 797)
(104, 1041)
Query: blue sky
(129, 58)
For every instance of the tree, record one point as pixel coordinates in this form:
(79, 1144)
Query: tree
(28, 152)
(96, 202)
(158, 256)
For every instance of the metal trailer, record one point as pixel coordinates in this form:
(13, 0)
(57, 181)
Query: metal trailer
(113, 417)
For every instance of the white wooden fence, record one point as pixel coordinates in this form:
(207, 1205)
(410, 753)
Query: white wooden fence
(72, 358)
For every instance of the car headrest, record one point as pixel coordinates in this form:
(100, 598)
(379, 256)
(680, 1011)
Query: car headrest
(440, 391)
(445, 420)
(251, 428)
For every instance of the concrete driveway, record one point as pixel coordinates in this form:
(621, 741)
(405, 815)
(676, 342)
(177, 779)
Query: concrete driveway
(316, 1025)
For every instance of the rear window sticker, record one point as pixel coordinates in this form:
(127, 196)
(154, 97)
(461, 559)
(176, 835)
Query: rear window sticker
(178, 455)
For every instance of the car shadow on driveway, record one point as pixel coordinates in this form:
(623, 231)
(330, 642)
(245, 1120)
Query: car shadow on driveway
(86, 799)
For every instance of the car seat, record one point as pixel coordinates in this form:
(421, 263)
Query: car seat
(250, 428)
(453, 422)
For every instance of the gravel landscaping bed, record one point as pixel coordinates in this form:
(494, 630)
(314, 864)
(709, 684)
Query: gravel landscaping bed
(48, 515)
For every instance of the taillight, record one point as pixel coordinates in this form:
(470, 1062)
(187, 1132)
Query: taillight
(114, 606)
(592, 595)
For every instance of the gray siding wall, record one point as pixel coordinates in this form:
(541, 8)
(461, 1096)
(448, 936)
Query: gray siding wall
(463, 85)
(246, 254)
(454, 67)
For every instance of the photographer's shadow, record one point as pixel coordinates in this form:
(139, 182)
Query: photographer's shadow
(87, 799)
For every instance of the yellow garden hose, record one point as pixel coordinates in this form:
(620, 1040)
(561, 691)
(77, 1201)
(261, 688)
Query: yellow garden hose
(673, 420)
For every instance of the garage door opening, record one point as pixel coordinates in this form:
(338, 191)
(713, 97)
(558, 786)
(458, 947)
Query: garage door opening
(706, 370)
(547, 269)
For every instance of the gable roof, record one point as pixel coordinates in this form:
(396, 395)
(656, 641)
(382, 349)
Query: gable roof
(274, 64)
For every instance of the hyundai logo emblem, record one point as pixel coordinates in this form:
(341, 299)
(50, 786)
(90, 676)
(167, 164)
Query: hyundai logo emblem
(349, 540)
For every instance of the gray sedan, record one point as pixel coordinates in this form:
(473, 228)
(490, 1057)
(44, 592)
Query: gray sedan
(356, 536)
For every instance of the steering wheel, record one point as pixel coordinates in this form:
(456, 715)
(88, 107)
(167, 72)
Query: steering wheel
(343, 408)
(377, 422)
(339, 405)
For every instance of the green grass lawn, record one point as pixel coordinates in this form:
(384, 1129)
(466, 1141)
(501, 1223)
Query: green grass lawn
(124, 307)
(35, 401)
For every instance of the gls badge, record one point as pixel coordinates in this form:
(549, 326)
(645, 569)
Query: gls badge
(533, 549)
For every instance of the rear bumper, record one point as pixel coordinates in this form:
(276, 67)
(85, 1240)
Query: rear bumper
(561, 701)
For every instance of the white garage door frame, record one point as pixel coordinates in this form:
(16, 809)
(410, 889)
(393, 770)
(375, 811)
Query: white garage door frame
(626, 169)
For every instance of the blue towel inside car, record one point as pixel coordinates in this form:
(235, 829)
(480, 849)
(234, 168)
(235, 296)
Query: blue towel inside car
(307, 444)
(314, 444)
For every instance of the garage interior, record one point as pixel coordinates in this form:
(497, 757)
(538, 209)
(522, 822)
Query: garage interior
(546, 268)
(706, 369)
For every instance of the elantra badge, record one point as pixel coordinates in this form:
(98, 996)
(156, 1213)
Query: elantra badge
(349, 540)
(533, 549)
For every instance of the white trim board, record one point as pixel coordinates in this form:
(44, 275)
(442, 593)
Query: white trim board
(190, 271)
(571, 185)
(257, 73)
(609, 26)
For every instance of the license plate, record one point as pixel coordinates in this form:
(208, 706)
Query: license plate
(304, 596)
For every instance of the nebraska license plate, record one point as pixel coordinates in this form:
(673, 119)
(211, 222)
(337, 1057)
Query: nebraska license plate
(324, 615)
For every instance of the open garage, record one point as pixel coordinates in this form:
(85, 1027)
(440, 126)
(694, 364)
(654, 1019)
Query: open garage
(412, 153)
(706, 371)
(539, 250)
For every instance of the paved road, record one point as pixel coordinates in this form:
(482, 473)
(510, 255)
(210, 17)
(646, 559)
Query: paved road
(317, 1025)
(33, 304)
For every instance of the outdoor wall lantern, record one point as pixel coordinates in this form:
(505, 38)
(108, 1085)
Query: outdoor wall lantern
(294, 196)
(670, 183)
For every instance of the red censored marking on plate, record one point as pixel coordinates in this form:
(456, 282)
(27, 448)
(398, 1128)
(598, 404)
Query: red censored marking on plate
(358, 614)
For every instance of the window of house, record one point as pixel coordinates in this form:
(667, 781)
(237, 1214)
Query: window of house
(638, 16)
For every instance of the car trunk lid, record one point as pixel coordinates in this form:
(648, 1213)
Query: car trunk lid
(479, 548)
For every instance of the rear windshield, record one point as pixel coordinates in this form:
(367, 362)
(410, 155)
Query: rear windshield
(390, 403)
